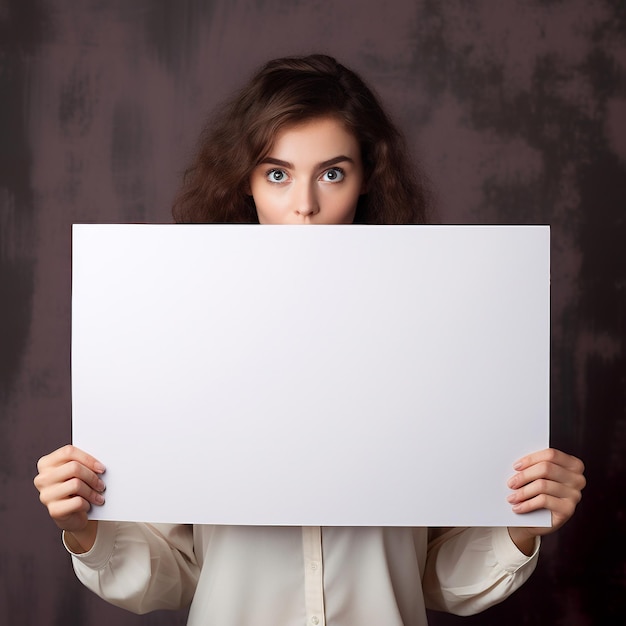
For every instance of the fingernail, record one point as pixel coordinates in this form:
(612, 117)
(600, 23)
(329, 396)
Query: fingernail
(100, 486)
(99, 498)
(517, 507)
(98, 467)
(511, 482)
(511, 498)
(518, 465)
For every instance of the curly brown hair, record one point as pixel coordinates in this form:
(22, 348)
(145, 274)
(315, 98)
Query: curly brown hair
(285, 92)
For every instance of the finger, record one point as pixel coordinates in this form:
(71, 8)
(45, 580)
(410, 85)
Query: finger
(538, 471)
(550, 471)
(553, 473)
(548, 487)
(72, 469)
(69, 453)
(551, 455)
(70, 513)
(69, 489)
(561, 508)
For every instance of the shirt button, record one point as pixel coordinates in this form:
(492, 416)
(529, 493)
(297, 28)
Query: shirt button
(314, 565)
(315, 620)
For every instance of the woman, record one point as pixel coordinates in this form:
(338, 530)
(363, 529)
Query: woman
(305, 142)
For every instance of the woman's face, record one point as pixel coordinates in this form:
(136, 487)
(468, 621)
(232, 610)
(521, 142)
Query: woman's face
(312, 175)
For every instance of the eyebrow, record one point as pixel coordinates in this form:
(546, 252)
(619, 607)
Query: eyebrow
(338, 159)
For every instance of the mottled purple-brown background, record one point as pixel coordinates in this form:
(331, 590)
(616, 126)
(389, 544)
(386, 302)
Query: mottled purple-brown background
(517, 111)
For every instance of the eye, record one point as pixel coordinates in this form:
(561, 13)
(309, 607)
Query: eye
(276, 176)
(333, 175)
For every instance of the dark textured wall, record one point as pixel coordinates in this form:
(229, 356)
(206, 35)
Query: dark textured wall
(517, 111)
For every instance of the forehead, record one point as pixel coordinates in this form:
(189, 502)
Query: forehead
(324, 135)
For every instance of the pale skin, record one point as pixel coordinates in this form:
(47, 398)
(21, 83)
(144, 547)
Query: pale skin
(313, 174)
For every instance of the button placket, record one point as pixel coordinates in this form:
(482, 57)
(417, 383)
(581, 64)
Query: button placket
(313, 575)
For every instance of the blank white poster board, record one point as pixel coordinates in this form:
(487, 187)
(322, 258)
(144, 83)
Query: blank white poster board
(329, 375)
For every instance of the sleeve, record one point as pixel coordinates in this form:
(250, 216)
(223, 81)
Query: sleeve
(470, 569)
(140, 567)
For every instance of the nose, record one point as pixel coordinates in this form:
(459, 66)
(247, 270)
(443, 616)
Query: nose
(306, 202)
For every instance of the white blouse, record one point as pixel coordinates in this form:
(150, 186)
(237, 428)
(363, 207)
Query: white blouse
(311, 576)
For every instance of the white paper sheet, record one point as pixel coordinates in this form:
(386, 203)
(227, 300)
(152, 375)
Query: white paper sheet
(331, 375)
